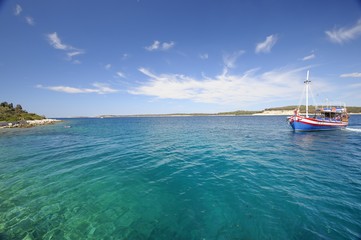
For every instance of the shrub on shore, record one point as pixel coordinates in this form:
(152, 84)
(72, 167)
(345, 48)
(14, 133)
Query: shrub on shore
(9, 113)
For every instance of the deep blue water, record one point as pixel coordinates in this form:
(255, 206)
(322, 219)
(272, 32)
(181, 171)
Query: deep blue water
(180, 178)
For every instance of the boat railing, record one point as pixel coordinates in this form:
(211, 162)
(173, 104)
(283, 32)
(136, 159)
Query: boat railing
(332, 105)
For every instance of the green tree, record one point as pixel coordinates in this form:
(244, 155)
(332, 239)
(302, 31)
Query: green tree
(10, 114)
(18, 108)
(4, 104)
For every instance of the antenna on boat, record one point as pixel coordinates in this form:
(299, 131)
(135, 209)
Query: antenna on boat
(307, 83)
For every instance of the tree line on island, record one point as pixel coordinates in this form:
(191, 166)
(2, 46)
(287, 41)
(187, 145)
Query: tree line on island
(311, 108)
(9, 113)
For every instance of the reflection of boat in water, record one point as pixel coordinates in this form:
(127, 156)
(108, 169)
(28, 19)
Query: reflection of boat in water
(324, 118)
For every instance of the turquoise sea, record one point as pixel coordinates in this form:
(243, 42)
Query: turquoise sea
(242, 177)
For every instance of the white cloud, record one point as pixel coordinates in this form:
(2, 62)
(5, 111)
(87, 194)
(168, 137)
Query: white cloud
(30, 20)
(99, 88)
(73, 54)
(108, 66)
(18, 9)
(166, 46)
(103, 88)
(125, 56)
(154, 46)
(267, 45)
(242, 89)
(56, 42)
(351, 75)
(204, 56)
(344, 34)
(229, 60)
(309, 57)
(160, 46)
(120, 74)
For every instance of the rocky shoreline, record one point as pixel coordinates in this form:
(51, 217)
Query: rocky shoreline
(28, 123)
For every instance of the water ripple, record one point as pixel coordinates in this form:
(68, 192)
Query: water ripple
(179, 178)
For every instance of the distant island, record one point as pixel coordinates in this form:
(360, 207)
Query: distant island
(11, 116)
(287, 110)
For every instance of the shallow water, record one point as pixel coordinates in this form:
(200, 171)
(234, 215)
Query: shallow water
(180, 178)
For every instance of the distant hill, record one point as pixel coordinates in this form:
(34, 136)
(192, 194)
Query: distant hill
(235, 113)
(286, 110)
(311, 108)
(239, 112)
(354, 109)
(9, 113)
(283, 110)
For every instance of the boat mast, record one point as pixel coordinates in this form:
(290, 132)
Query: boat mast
(307, 83)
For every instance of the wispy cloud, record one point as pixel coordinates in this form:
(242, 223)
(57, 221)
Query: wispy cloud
(120, 74)
(73, 54)
(229, 60)
(266, 45)
(244, 89)
(309, 57)
(99, 88)
(351, 75)
(166, 46)
(154, 46)
(30, 20)
(343, 34)
(203, 56)
(125, 56)
(56, 43)
(17, 10)
(108, 66)
(158, 46)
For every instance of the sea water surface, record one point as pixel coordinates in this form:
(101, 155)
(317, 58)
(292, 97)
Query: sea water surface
(242, 177)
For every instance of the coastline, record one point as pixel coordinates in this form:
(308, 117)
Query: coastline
(275, 113)
(264, 113)
(45, 121)
(29, 123)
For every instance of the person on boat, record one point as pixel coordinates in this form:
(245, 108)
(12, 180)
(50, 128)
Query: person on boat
(296, 113)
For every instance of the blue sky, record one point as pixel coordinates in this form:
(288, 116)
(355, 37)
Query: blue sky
(87, 58)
